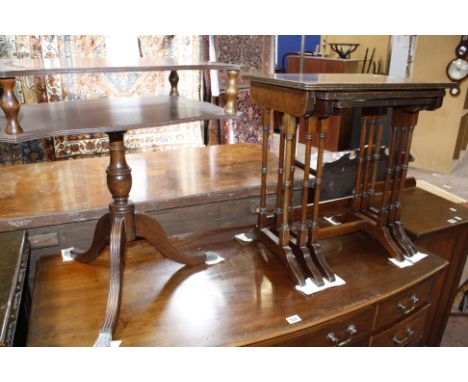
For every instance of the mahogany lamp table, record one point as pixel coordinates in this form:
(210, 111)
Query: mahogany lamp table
(112, 117)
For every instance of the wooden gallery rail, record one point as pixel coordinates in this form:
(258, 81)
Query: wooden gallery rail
(293, 232)
(112, 117)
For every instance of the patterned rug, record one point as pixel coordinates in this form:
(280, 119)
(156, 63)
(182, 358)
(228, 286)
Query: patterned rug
(71, 87)
(257, 53)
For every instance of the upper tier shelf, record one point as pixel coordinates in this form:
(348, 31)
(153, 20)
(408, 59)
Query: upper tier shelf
(345, 82)
(25, 67)
(109, 115)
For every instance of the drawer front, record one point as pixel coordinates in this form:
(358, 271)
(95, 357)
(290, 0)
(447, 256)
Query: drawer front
(347, 331)
(403, 304)
(405, 333)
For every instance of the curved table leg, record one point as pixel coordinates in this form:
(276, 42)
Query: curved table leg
(293, 266)
(100, 240)
(404, 237)
(316, 276)
(117, 251)
(396, 234)
(150, 229)
(329, 274)
(383, 236)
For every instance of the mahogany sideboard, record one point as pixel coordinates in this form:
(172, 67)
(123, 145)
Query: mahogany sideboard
(219, 192)
(243, 301)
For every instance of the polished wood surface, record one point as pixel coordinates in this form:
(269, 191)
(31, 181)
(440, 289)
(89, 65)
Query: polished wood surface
(109, 115)
(437, 212)
(242, 301)
(28, 67)
(343, 81)
(50, 193)
(430, 222)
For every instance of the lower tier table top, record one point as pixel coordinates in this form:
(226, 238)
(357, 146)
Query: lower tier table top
(108, 115)
(242, 301)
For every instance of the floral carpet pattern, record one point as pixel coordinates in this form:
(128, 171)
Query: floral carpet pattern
(69, 87)
(257, 54)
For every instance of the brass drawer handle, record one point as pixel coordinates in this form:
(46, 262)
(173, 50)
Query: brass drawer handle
(414, 300)
(333, 338)
(397, 341)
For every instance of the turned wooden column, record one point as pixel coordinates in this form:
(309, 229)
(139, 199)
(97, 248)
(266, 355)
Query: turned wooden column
(174, 81)
(290, 132)
(119, 181)
(311, 129)
(262, 216)
(10, 106)
(231, 92)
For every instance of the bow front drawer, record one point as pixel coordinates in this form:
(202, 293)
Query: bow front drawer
(403, 304)
(403, 333)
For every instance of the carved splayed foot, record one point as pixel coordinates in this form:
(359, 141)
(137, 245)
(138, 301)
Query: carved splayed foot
(329, 274)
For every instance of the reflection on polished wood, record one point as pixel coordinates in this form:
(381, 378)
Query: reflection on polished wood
(51, 193)
(242, 301)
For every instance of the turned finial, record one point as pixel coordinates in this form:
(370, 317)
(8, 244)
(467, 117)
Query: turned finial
(174, 80)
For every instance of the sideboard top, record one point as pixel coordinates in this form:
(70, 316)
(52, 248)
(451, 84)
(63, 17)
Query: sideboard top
(26, 67)
(343, 82)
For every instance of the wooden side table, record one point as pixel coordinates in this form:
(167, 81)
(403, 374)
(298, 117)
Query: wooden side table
(112, 117)
(293, 233)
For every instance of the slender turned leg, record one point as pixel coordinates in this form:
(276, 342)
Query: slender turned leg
(290, 127)
(231, 92)
(360, 161)
(311, 129)
(10, 106)
(397, 181)
(292, 170)
(279, 185)
(117, 251)
(174, 81)
(370, 148)
(383, 213)
(411, 120)
(312, 242)
(381, 231)
(100, 240)
(262, 213)
(375, 169)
